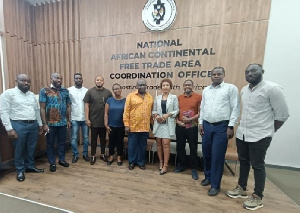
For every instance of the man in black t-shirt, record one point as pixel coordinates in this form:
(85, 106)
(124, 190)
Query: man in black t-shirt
(94, 104)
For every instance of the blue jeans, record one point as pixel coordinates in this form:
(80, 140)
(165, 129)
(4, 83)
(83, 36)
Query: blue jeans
(85, 137)
(25, 144)
(254, 153)
(59, 132)
(137, 144)
(214, 146)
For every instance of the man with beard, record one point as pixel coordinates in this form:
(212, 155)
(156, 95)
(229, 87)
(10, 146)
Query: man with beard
(186, 128)
(77, 93)
(94, 105)
(264, 112)
(219, 112)
(20, 115)
(56, 116)
(136, 117)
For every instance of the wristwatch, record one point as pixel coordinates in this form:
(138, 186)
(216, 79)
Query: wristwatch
(230, 127)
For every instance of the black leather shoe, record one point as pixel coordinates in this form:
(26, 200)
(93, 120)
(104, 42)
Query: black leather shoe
(64, 163)
(93, 160)
(205, 182)
(52, 168)
(86, 158)
(194, 174)
(110, 162)
(142, 167)
(131, 166)
(103, 157)
(34, 170)
(213, 191)
(74, 159)
(120, 163)
(20, 176)
(179, 169)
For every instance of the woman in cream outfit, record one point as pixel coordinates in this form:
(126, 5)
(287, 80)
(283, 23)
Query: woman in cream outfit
(165, 110)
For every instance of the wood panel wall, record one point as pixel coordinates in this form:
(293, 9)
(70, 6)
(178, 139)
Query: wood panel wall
(18, 36)
(57, 41)
(235, 29)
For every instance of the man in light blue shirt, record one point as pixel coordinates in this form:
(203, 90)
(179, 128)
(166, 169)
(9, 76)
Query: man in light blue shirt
(20, 115)
(219, 112)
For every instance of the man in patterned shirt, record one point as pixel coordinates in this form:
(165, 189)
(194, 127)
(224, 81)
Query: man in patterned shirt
(55, 113)
(136, 117)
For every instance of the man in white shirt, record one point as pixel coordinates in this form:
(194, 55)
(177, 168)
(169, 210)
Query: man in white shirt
(264, 112)
(77, 93)
(219, 112)
(20, 116)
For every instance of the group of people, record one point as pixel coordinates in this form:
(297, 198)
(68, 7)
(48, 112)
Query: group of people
(214, 115)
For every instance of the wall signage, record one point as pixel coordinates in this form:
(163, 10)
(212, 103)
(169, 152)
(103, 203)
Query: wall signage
(159, 15)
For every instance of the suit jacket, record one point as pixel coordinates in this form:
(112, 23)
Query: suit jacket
(172, 107)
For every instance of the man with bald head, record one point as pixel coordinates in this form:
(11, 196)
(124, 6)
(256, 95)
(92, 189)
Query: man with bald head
(56, 116)
(264, 111)
(136, 118)
(21, 118)
(94, 105)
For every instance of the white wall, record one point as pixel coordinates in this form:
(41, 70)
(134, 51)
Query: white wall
(282, 66)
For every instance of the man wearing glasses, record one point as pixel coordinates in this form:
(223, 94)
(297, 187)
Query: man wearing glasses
(136, 117)
(186, 128)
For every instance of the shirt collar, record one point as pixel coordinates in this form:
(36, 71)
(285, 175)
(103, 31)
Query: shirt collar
(136, 92)
(220, 85)
(17, 88)
(53, 87)
(258, 85)
(188, 96)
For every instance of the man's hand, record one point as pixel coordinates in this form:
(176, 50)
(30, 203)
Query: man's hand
(40, 130)
(180, 123)
(69, 124)
(200, 129)
(12, 134)
(127, 130)
(230, 133)
(108, 129)
(46, 128)
(88, 122)
(186, 120)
